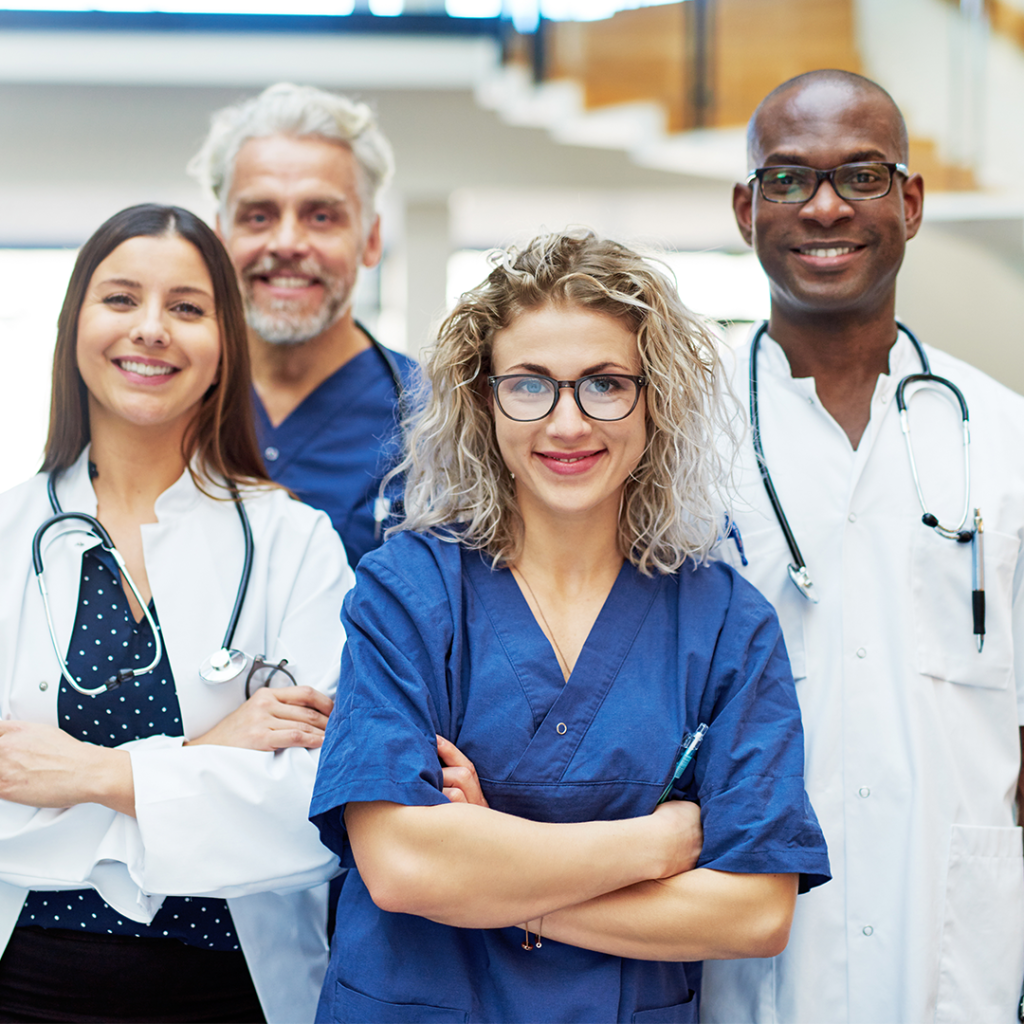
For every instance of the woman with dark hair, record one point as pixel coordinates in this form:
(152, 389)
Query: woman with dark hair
(155, 861)
(525, 658)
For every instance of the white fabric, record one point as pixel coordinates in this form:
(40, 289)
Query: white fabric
(212, 821)
(912, 744)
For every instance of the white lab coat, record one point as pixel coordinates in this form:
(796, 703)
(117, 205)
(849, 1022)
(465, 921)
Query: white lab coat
(912, 745)
(212, 821)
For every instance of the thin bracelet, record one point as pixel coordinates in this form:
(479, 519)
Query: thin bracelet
(526, 941)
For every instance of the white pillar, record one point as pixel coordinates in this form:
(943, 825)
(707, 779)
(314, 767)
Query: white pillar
(427, 247)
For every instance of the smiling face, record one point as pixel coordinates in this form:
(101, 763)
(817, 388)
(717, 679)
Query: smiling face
(829, 255)
(295, 234)
(567, 465)
(148, 344)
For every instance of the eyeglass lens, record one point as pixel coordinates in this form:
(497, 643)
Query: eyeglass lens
(265, 673)
(851, 181)
(602, 397)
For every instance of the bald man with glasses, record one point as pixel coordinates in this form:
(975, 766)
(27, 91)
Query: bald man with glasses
(910, 687)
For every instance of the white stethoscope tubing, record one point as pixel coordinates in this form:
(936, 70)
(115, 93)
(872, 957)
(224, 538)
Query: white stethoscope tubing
(95, 529)
(958, 532)
(224, 664)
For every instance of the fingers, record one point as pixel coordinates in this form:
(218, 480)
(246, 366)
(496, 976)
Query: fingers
(302, 696)
(281, 704)
(282, 739)
(459, 779)
(451, 755)
(273, 720)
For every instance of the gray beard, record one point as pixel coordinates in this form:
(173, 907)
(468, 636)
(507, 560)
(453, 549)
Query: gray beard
(281, 327)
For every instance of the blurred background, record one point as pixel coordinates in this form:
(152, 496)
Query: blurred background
(509, 117)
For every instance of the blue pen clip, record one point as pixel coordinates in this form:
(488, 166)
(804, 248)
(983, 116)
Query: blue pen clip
(734, 533)
(691, 741)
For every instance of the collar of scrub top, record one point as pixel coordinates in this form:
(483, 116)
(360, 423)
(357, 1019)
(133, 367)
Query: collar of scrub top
(798, 567)
(224, 664)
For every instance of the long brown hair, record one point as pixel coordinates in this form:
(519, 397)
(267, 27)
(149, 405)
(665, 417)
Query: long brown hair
(222, 437)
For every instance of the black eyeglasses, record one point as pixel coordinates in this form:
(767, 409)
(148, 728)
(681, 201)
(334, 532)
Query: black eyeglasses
(266, 673)
(599, 396)
(794, 184)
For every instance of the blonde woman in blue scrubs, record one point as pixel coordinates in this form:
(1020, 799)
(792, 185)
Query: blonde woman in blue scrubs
(524, 658)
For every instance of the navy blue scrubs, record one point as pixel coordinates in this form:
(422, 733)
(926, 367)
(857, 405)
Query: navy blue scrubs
(335, 448)
(440, 642)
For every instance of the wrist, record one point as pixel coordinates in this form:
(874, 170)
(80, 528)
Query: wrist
(110, 779)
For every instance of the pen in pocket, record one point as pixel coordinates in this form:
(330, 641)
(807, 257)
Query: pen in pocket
(691, 741)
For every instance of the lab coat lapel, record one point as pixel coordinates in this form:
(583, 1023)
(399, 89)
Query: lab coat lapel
(194, 613)
(569, 716)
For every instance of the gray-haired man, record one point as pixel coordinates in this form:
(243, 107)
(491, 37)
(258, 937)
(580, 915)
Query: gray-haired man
(296, 173)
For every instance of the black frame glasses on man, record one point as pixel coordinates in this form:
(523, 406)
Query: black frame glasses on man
(595, 394)
(792, 183)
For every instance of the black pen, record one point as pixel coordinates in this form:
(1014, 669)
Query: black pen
(978, 579)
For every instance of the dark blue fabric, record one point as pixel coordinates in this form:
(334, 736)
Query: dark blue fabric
(439, 642)
(335, 448)
(107, 638)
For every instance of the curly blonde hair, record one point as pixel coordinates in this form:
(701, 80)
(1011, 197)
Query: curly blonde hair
(457, 486)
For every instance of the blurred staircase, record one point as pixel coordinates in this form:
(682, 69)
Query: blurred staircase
(674, 85)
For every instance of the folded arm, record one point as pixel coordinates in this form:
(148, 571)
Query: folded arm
(699, 915)
(469, 866)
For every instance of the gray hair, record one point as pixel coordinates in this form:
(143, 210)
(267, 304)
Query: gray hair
(300, 111)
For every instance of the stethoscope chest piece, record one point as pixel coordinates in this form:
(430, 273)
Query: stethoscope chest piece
(223, 665)
(803, 582)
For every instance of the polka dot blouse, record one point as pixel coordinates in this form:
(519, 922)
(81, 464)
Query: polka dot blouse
(106, 638)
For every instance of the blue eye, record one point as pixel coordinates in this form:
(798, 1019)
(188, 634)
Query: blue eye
(530, 386)
(604, 385)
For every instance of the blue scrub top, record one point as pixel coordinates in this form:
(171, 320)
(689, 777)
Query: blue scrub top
(335, 448)
(440, 642)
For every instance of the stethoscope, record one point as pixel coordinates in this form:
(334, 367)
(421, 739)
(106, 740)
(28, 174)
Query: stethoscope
(223, 665)
(961, 533)
(382, 507)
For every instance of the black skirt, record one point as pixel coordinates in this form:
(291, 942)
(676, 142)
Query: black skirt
(49, 974)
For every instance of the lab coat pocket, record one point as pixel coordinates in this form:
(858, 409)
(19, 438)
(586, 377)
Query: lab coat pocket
(354, 1007)
(981, 960)
(681, 1013)
(941, 582)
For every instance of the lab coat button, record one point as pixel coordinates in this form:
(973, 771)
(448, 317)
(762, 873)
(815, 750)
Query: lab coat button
(864, 791)
(868, 930)
(271, 453)
(852, 517)
(561, 728)
(862, 652)
(44, 686)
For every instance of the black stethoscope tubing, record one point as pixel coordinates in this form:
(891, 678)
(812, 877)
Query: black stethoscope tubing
(798, 570)
(59, 515)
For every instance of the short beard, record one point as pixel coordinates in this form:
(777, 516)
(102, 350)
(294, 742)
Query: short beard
(280, 325)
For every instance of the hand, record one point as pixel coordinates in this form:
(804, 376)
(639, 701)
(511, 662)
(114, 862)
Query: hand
(461, 784)
(273, 719)
(678, 822)
(42, 766)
